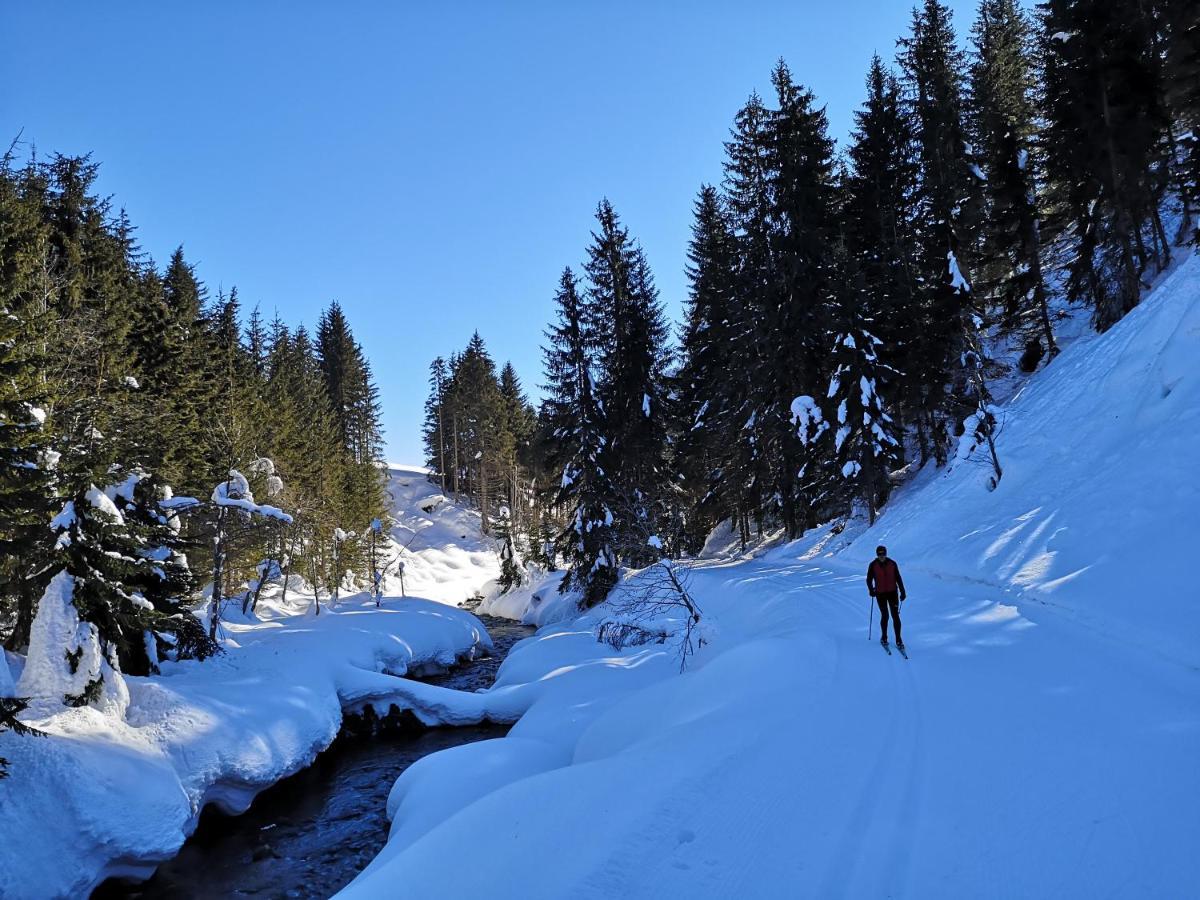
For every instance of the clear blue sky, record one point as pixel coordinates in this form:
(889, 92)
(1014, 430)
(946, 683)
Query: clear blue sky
(431, 166)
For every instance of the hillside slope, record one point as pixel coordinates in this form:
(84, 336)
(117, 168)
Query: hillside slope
(1098, 512)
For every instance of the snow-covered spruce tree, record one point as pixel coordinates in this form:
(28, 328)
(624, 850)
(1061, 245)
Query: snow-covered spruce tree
(706, 368)
(631, 358)
(982, 425)
(879, 202)
(1004, 128)
(781, 189)
(863, 442)
(116, 603)
(572, 423)
(948, 214)
(510, 567)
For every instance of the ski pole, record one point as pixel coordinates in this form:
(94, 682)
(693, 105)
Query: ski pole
(870, 615)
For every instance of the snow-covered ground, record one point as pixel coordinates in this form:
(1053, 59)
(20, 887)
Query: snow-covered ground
(109, 793)
(1042, 741)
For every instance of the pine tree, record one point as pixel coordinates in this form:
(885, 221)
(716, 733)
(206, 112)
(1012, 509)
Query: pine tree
(881, 241)
(799, 311)
(631, 335)
(435, 425)
(1105, 145)
(948, 214)
(707, 367)
(519, 424)
(1002, 89)
(128, 571)
(25, 479)
(864, 437)
(573, 426)
(749, 181)
(180, 377)
(1182, 75)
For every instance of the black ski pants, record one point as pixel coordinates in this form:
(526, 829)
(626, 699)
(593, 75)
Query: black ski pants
(889, 600)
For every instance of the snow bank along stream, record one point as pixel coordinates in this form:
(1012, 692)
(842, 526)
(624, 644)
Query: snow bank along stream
(309, 835)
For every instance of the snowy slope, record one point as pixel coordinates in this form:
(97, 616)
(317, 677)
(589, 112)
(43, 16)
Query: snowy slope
(1097, 511)
(112, 794)
(1042, 741)
(445, 557)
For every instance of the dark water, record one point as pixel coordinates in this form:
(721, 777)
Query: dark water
(309, 835)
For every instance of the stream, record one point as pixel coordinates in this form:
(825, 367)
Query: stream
(310, 834)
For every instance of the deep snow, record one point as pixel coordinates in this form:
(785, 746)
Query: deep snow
(115, 792)
(1042, 741)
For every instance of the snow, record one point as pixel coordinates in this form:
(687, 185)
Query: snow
(1041, 741)
(807, 417)
(115, 790)
(65, 519)
(101, 501)
(7, 686)
(957, 281)
(48, 678)
(234, 493)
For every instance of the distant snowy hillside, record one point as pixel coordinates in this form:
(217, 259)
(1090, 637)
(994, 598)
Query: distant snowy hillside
(445, 557)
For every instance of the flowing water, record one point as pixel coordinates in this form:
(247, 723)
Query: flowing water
(310, 834)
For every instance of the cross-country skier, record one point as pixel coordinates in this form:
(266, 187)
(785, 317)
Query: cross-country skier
(887, 587)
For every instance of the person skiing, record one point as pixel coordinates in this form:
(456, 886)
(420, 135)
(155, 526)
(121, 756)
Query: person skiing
(887, 587)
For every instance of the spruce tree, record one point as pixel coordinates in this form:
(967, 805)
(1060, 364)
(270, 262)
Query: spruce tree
(1105, 145)
(864, 439)
(1182, 76)
(948, 214)
(631, 335)
(25, 476)
(434, 431)
(707, 366)
(1002, 87)
(799, 312)
(749, 183)
(573, 427)
(881, 239)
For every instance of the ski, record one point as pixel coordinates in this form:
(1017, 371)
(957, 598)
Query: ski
(885, 647)
(903, 652)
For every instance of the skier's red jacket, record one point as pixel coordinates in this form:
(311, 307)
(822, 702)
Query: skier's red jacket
(884, 577)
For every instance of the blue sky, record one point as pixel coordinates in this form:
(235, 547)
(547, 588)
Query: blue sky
(430, 166)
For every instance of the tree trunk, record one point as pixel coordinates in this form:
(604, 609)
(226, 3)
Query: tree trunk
(214, 610)
(18, 641)
(456, 454)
